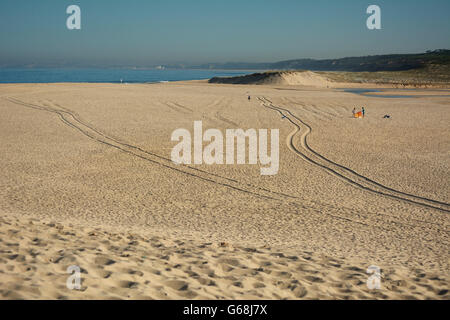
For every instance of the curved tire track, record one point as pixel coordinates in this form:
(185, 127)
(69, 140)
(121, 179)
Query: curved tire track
(340, 171)
(73, 120)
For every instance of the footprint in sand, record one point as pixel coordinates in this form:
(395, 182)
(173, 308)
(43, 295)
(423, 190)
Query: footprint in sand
(177, 285)
(314, 279)
(103, 261)
(300, 291)
(103, 273)
(259, 285)
(207, 282)
(231, 262)
(127, 284)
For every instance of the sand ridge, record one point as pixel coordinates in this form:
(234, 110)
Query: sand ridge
(286, 78)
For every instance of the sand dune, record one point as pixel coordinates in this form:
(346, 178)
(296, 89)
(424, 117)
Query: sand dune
(298, 78)
(86, 179)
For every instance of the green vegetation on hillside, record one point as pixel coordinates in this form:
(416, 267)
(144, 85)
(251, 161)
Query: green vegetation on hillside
(436, 61)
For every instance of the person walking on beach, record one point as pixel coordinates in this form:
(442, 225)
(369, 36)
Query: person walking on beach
(363, 112)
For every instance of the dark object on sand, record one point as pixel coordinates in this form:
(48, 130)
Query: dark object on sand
(386, 116)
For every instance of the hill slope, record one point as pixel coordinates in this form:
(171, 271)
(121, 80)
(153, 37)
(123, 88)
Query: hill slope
(392, 62)
(305, 78)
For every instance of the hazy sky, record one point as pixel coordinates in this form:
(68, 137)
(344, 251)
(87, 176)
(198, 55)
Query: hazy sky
(148, 32)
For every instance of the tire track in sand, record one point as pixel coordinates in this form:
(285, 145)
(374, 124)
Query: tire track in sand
(78, 118)
(340, 171)
(72, 120)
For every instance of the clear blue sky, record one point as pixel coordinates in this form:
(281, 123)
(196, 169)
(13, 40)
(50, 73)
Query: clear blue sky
(148, 32)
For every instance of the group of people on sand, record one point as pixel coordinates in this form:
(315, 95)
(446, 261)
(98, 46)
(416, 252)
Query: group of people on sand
(359, 114)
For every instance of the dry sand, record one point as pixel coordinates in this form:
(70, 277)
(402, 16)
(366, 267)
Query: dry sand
(86, 179)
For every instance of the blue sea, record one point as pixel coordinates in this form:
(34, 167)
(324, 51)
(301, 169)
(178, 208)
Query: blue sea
(32, 75)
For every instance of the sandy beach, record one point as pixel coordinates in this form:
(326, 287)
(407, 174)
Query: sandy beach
(86, 179)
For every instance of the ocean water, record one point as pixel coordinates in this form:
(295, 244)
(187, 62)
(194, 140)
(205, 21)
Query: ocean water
(32, 75)
(366, 92)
